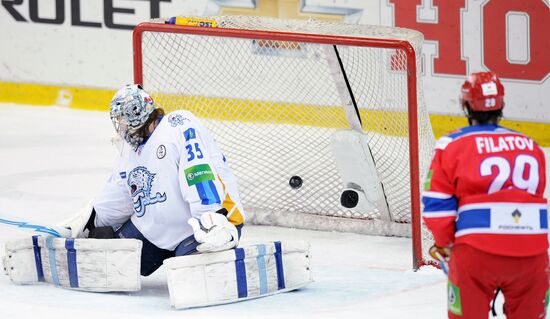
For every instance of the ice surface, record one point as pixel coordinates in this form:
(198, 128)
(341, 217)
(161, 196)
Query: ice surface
(52, 162)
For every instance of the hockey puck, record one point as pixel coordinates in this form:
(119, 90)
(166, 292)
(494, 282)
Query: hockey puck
(295, 182)
(349, 198)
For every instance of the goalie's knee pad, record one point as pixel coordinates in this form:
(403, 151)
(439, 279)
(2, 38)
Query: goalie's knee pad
(238, 274)
(151, 255)
(104, 232)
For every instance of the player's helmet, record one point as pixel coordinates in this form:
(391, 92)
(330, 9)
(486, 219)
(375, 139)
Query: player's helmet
(130, 109)
(483, 92)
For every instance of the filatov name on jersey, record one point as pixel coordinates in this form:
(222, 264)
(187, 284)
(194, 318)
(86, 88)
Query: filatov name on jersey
(494, 144)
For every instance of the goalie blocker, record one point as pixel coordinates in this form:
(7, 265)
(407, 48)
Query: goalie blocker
(103, 265)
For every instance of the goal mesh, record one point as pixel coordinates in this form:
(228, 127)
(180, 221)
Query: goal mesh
(273, 104)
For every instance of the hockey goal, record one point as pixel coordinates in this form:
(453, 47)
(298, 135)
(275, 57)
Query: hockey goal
(303, 109)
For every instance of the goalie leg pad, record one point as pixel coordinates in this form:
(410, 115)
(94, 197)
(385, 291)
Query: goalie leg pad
(238, 274)
(99, 265)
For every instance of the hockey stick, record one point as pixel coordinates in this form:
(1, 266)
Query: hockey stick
(345, 91)
(348, 85)
(50, 230)
(443, 262)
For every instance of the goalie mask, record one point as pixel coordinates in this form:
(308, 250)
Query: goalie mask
(130, 109)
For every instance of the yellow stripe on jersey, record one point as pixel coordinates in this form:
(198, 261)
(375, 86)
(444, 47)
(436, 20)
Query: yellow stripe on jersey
(234, 214)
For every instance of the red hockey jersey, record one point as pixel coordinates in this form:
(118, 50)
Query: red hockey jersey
(485, 189)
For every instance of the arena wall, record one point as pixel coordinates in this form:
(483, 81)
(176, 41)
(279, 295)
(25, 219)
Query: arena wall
(75, 53)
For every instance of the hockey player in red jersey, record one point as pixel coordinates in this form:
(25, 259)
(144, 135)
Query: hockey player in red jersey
(484, 204)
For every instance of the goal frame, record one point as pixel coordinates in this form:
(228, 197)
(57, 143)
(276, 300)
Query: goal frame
(401, 45)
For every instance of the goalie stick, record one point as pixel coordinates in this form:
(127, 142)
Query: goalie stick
(36, 227)
(350, 94)
(372, 189)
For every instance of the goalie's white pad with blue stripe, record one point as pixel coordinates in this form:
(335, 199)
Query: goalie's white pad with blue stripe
(238, 274)
(84, 264)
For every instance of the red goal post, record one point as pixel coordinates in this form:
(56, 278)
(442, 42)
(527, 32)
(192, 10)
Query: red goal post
(403, 49)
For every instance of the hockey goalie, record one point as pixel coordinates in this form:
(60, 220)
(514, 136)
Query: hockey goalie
(172, 199)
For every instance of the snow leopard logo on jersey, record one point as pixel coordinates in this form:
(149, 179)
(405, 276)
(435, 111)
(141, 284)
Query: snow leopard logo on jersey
(176, 119)
(140, 181)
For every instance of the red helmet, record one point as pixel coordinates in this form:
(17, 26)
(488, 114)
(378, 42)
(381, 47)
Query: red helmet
(483, 92)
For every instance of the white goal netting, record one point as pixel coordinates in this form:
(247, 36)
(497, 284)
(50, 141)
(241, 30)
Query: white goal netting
(273, 103)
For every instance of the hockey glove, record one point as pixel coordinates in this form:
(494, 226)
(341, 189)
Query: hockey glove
(79, 224)
(442, 255)
(214, 232)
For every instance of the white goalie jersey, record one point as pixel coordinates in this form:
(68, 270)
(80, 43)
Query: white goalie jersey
(177, 173)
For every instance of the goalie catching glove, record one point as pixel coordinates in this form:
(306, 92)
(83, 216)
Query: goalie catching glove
(214, 232)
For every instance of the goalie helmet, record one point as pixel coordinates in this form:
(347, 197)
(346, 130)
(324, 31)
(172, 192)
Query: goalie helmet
(130, 109)
(483, 92)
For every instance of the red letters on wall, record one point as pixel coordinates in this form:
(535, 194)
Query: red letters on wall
(494, 39)
(447, 33)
